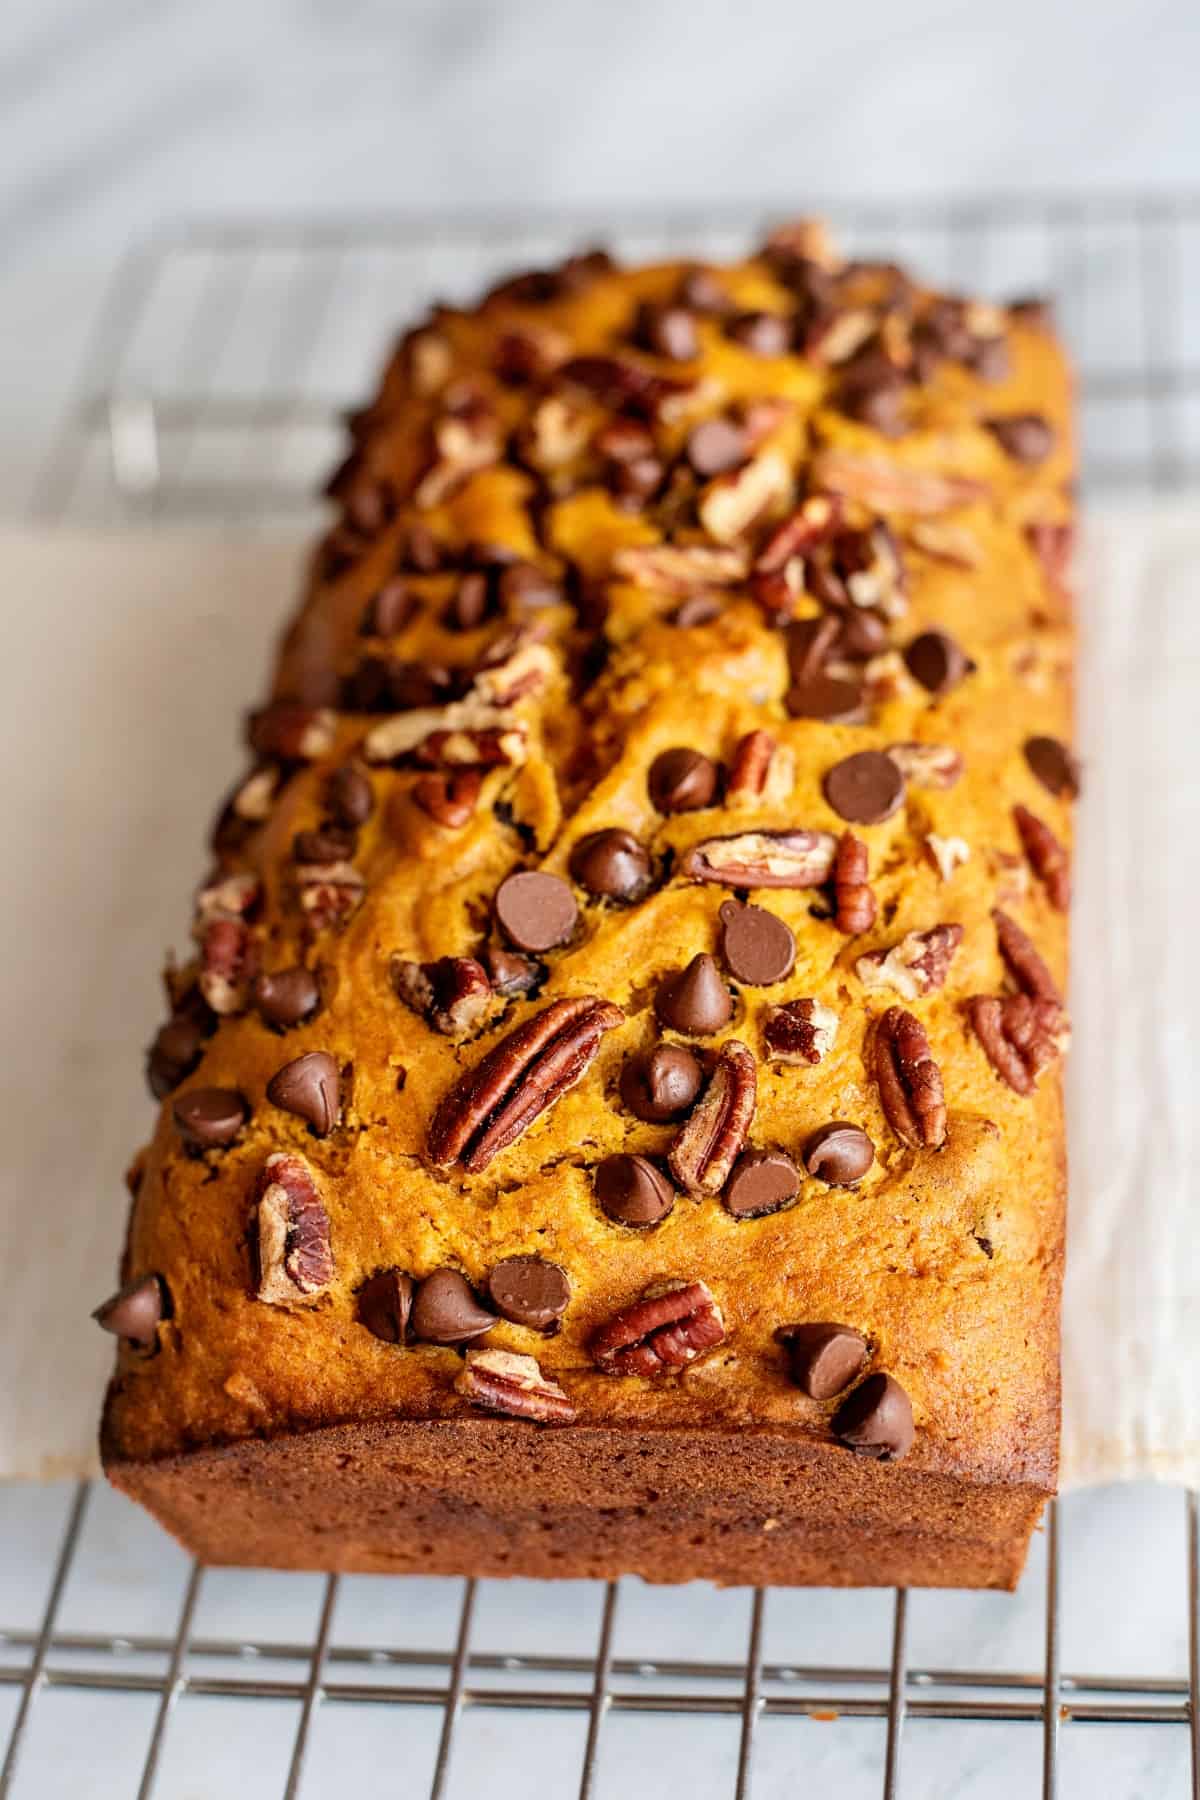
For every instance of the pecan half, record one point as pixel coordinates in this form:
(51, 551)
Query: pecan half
(295, 1258)
(1047, 857)
(750, 859)
(1020, 1035)
(291, 731)
(502, 1381)
(466, 733)
(927, 765)
(679, 568)
(803, 1031)
(886, 486)
(855, 902)
(669, 1327)
(453, 993)
(328, 892)
(917, 965)
(750, 766)
(730, 503)
(711, 1141)
(527, 1072)
(910, 1082)
(1022, 961)
(449, 799)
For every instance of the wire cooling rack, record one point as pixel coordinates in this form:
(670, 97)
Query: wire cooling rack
(221, 362)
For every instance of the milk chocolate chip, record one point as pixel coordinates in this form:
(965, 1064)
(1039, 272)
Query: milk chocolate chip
(611, 864)
(631, 1191)
(351, 797)
(662, 1085)
(209, 1118)
(135, 1311)
(864, 789)
(937, 662)
(757, 947)
(876, 1419)
(446, 1311)
(535, 911)
(1054, 765)
(385, 1303)
(529, 1291)
(762, 1181)
(824, 1359)
(839, 1153)
(286, 998)
(308, 1087)
(682, 780)
(694, 1000)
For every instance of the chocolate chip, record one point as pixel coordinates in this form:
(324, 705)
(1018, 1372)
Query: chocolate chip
(135, 1311)
(694, 1000)
(838, 1153)
(286, 998)
(529, 1291)
(308, 1087)
(763, 333)
(209, 1118)
(523, 587)
(419, 549)
(390, 610)
(697, 609)
(863, 633)
(1033, 310)
(329, 844)
(535, 911)
(758, 948)
(385, 1303)
(762, 1181)
(810, 644)
(830, 697)
(611, 864)
(937, 662)
(876, 1419)
(864, 789)
(668, 331)
(715, 445)
(174, 1053)
(682, 780)
(873, 393)
(631, 1191)
(471, 602)
(351, 797)
(1054, 765)
(824, 1359)
(661, 1085)
(445, 1310)
(1027, 437)
(511, 974)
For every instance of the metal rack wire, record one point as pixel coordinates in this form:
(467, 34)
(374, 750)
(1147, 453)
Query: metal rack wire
(221, 361)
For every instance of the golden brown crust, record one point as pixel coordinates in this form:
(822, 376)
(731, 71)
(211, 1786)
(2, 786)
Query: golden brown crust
(947, 1259)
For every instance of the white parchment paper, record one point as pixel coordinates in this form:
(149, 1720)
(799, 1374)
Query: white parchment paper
(126, 662)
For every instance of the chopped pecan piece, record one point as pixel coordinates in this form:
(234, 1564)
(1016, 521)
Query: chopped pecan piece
(450, 798)
(429, 359)
(530, 353)
(855, 902)
(1022, 961)
(886, 486)
(730, 503)
(293, 732)
(711, 1141)
(910, 1082)
(228, 963)
(527, 1072)
(489, 749)
(816, 519)
(803, 1031)
(915, 966)
(947, 853)
(466, 733)
(750, 766)
(453, 993)
(946, 541)
(927, 765)
(229, 897)
(464, 442)
(255, 797)
(502, 1381)
(1020, 1035)
(328, 892)
(295, 1258)
(750, 859)
(1053, 546)
(680, 568)
(669, 1327)
(862, 569)
(556, 435)
(518, 664)
(1047, 856)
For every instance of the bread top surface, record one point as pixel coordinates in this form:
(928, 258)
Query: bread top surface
(496, 440)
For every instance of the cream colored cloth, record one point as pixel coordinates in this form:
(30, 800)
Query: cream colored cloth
(127, 660)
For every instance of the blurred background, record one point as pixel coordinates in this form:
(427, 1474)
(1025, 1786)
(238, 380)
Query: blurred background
(117, 115)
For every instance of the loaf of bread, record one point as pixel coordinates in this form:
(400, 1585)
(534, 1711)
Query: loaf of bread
(611, 1113)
